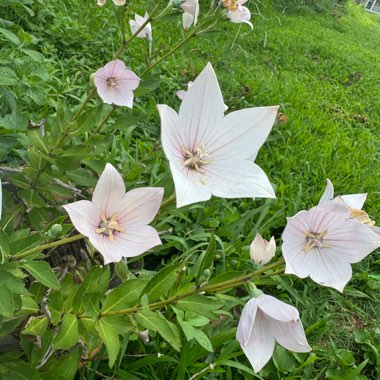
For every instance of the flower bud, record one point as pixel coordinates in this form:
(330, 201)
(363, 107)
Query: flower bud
(54, 231)
(261, 250)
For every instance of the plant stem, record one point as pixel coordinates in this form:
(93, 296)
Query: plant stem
(46, 246)
(204, 289)
(100, 125)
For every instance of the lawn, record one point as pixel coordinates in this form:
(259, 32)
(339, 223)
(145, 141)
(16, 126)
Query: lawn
(321, 68)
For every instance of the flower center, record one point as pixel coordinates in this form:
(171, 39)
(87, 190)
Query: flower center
(108, 226)
(362, 217)
(315, 239)
(230, 4)
(111, 82)
(195, 159)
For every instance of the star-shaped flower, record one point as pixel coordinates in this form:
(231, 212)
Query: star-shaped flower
(212, 154)
(236, 12)
(265, 320)
(116, 222)
(137, 23)
(324, 241)
(115, 83)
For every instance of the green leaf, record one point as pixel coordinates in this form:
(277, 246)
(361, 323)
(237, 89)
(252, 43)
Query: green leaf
(68, 334)
(193, 333)
(42, 272)
(28, 305)
(14, 121)
(10, 36)
(4, 246)
(146, 86)
(157, 322)
(110, 337)
(124, 296)
(36, 139)
(18, 370)
(199, 304)
(6, 302)
(162, 282)
(36, 326)
(8, 76)
(62, 368)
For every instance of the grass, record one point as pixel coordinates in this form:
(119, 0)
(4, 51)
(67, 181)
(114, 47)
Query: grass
(323, 72)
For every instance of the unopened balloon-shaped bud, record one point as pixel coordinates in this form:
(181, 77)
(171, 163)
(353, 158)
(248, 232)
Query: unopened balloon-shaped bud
(261, 250)
(206, 274)
(54, 231)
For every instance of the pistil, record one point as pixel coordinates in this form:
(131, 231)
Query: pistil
(108, 226)
(111, 82)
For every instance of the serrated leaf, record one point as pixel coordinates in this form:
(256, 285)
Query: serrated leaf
(36, 139)
(68, 334)
(161, 283)
(42, 272)
(157, 322)
(8, 77)
(10, 36)
(28, 305)
(110, 337)
(62, 368)
(4, 247)
(125, 295)
(14, 121)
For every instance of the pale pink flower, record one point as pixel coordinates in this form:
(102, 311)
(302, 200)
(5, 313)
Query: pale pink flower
(324, 241)
(261, 250)
(137, 23)
(191, 13)
(212, 154)
(240, 15)
(182, 93)
(116, 2)
(115, 83)
(355, 203)
(265, 320)
(116, 222)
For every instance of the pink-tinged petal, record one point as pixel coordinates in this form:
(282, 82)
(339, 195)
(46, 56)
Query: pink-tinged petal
(84, 216)
(251, 125)
(172, 134)
(355, 201)
(140, 206)
(260, 348)
(296, 227)
(246, 321)
(241, 15)
(291, 336)
(122, 96)
(277, 309)
(112, 251)
(188, 186)
(328, 194)
(137, 239)
(109, 192)
(352, 240)
(128, 80)
(114, 68)
(235, 179)
(201, 111)
(119, 2)
(181, 94)
(375, 229)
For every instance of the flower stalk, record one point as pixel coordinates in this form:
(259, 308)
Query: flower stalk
(203, 289)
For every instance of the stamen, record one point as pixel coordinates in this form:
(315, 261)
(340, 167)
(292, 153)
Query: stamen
(315, 239)
(196, 159)
(109, 226)
(111, 82)
(362, 217)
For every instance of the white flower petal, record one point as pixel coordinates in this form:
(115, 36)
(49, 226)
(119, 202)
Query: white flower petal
(112, 251)
(328, 194)
(187, 20)
(235, 179)
(109, 191)
(202, 109)
(355, 201)
(251, 125)
(246, 321)
(140, 206)
(84, 216)
(260, 348)
(277, 309)
(291, 336)
(188, 187)
(172, 134)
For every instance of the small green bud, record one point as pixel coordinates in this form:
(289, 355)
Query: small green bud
(54, 232)
(254, 292)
